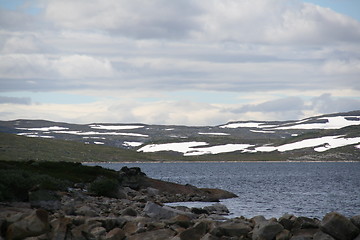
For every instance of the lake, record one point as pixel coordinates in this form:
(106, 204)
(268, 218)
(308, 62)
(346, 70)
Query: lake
(271, 189)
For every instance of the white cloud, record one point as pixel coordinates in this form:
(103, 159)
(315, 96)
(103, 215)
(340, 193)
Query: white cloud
(82, 66)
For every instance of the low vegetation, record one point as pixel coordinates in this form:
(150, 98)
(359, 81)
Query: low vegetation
(19, 178)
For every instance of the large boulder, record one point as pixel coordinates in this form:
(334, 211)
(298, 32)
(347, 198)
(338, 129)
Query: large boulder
(232, 229)
(156, 211)
(196, 232)
(266, 230)
(34, 224)
(339, 227)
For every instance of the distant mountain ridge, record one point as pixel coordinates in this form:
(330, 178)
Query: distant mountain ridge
(331, 137)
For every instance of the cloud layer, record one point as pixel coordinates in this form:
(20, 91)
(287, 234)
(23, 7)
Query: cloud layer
(270, 59)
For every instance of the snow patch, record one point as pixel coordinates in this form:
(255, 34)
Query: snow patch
(102, 133)
(247, 125)
(182, 147)
(44, 129)
(217, 149)
(260, 131)
(99, 143)
(214, 133)
(132, 144)
(332, 123)
(115, 127)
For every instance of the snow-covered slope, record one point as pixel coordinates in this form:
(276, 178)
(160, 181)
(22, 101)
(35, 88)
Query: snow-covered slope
(314, 135)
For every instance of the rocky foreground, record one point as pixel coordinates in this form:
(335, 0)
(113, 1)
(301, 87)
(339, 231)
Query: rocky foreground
(137, 212)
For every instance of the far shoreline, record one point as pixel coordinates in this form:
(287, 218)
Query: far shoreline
(265, 161)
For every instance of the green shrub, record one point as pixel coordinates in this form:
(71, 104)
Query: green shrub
(14, 185)
(105, 187)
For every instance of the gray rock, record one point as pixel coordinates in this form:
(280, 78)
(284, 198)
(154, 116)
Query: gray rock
(301, 238)
(217, 208)
(115, 234)
(161, 234)
(339, 227)
(356, 221)
(322, 236)
(86, 211)
(156, 211)
(34, 224)
(283, 235)
(208, 236)
(232, 229)
(129, 211)
(287, 220)
(266, 230)
(194, 233)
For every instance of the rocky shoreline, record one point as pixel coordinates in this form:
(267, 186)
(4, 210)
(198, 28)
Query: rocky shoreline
(137, 212)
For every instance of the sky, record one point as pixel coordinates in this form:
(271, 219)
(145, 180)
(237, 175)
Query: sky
(186, 62)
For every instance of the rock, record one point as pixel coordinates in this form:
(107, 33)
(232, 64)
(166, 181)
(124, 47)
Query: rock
(287, 220)
(181, 220)
(232, 229)
(208, 236)
(129, 211)
(356, 221)
(152, 192)
(115, 234)
(86, 211)
(322, 236)
(156, 211)
(97, 232)
(283, 235)
(34, 224)
(301, 238)
(194, 233)
(305, 222)
(339, 227)
(161, 234)
(217, 208)
(266, 230)
(60, 228)
(199, 211)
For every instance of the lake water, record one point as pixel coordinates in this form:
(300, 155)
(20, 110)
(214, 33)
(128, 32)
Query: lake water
(271, 189)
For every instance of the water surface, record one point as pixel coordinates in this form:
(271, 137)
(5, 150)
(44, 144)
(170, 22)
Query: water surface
(271, 189)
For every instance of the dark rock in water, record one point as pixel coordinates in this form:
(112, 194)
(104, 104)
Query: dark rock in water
(163, 212)
(339, 227)
(199, 210)
(217, 208)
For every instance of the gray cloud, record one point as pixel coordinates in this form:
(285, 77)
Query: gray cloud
(329, 104)
(15, 100)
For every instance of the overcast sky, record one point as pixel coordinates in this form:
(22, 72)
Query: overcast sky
(192, 62)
